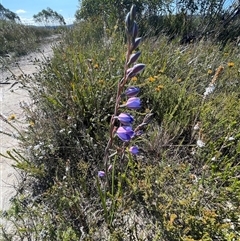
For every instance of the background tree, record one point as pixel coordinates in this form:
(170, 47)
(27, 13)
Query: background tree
(48, 16)
(113, 10)
(185, 18)
(6, 14)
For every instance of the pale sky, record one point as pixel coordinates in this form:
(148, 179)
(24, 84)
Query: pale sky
(25, 9)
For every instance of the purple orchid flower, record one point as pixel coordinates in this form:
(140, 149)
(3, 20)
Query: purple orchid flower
(133, 58)
(133, 103)
(101, 173)
(125, 133)
(134, 150)
(136, 69)
(136, 43)
(132, 91)
(125, 119)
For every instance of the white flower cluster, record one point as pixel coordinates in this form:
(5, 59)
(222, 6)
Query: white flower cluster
(209, 90)
(200, 143)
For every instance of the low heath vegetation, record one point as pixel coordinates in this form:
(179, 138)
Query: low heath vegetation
(114, 154)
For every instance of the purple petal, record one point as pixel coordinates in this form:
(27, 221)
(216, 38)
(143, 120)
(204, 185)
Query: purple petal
(136, 43)
(134, 57)
(133, 103)
(101, 173)
(125, 133)
(128, 21)
(132, 91)
(125, 119)
(133, 12)
(134, 150)
(134, 31)
(136, 69)
(109, 168)
(129, 72)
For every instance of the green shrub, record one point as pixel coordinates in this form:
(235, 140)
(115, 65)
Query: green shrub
(175, 189)
(20, 39)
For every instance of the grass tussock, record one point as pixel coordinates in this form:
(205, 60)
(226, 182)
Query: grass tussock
(19, 39)
(184, 184)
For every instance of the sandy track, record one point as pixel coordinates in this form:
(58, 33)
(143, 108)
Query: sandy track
(12, 95)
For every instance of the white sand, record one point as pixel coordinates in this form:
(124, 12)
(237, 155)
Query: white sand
(10, 101)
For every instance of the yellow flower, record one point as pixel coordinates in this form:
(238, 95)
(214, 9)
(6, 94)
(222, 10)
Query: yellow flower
(159, 88)
(74, 98)
(179, 80)
(134, 78)
(72, 85)
(95, 66)
(112, 59)
(31, 123)
(151, 79)
(230, 64)
(147, 111)
(173, 216)
(161, 71)
(101, 81)
(209, 71)
(12, 117)
(209, 213)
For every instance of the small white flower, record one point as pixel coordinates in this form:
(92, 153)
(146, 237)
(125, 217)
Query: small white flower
(229, 205)
(209, 90)
(229, 221)
(196, 127)
(50, 146)
(193, 153)
(231, 138)
(36, 147)
(200, 143)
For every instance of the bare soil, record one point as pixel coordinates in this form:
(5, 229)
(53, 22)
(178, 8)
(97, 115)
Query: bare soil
(12, 96)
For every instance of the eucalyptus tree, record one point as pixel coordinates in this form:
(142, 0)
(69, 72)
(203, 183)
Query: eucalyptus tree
(48, 16)
(172, 17)
(112, 9)
(6, 14)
